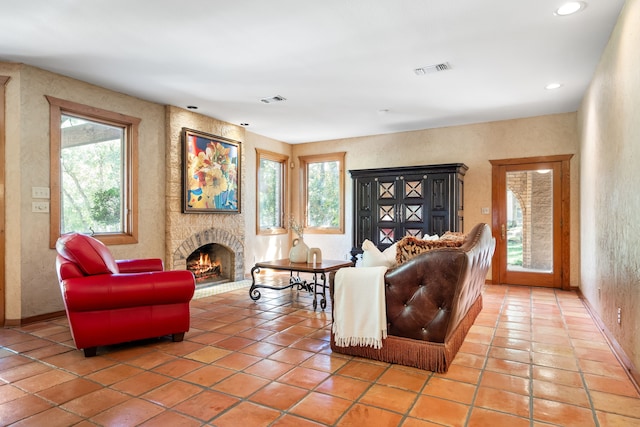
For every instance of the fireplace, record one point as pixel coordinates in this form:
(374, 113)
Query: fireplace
(210, 264)
(224, 251)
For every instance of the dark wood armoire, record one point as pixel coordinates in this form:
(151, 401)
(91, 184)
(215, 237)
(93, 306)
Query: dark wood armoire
(390, 203)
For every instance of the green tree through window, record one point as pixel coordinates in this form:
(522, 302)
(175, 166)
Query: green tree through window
(324, 192)
(94, 172)
(91, 159)
(271, 190)
(323, 204)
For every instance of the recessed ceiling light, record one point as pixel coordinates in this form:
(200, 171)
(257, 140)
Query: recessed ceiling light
(552, 86)
(570, 8)
(192, 107)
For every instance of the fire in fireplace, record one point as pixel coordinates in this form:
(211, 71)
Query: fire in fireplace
(209, 264)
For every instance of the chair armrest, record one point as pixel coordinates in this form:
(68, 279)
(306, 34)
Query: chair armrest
(108, 291)
(139, 265)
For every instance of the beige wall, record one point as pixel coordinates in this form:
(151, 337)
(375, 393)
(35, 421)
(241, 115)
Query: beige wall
(610, 178)
(13, 288)
(31, 283)
(262, 248)
(473, 145)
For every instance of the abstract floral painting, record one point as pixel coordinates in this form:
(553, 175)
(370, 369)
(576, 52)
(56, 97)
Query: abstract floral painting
(211, 173)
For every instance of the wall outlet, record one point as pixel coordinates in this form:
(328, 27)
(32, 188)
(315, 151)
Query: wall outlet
(619, 316)
(40, 192)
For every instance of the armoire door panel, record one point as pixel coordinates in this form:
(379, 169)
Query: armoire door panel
(364, 196)
(414, 189)
(364, 227)
(413, 213)
(415, 232)
(387, 190)
(386, 236)
(387, 213)
(439, 194)
(439, 224)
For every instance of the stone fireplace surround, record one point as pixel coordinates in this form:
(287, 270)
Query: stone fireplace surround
(187, 232)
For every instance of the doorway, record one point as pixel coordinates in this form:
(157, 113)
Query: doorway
(530, 220)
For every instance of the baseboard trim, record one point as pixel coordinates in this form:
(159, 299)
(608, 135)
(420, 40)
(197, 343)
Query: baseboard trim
(618, 351)
(38, 318)
(9, 323)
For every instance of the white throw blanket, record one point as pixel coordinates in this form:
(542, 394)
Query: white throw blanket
(359, 315)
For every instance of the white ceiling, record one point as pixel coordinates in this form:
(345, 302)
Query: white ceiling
(344, 66)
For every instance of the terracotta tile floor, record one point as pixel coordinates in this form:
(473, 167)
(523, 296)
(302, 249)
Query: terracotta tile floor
(533, 358)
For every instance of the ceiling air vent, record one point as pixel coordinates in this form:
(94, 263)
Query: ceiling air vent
(272, 99)
(429, 69)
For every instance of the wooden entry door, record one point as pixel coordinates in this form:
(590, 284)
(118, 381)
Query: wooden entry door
(531, 221)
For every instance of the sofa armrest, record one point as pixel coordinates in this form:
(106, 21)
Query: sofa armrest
(420, 294)
(139, 265)
(106, 291)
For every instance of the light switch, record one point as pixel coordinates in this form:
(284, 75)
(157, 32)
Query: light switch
(40, 207)
(40, 192)
(485, 211)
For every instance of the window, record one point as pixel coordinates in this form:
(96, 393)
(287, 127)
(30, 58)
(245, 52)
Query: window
(93, 172)
(270, 192)
(323, 198)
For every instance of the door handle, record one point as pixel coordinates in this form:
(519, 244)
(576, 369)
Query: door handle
(503, 232)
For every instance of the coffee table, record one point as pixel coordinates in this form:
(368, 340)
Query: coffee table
(319, 281)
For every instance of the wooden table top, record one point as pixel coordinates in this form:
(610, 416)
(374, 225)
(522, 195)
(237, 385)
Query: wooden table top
(320, 267)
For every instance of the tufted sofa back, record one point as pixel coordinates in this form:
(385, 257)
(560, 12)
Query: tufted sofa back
(427, 296)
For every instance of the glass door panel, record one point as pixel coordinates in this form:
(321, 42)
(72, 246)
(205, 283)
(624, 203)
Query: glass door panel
(529, 222)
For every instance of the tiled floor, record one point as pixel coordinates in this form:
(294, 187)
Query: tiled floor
(533, 358)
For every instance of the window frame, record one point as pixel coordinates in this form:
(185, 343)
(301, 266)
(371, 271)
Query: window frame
(130, 125)
(284, 164)
(305, 161)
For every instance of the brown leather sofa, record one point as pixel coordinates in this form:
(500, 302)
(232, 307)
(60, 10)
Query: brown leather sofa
(432, 301)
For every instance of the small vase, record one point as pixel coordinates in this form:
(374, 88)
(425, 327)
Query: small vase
(299, 251)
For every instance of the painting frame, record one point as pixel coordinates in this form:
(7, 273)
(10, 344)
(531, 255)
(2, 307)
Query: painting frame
(211, 173)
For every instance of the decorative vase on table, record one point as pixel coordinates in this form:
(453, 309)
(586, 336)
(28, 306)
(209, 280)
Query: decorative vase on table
(299, 251)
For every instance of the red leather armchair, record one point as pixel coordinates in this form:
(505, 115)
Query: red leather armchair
(112, 301)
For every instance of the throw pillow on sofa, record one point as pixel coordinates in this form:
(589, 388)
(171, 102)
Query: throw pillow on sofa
(409, 246)
(453, 235)
(372, 257)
